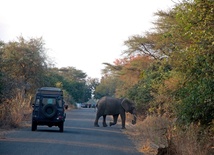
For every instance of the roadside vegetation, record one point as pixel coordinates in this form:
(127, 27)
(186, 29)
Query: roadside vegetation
(24, 67)
(169, 73)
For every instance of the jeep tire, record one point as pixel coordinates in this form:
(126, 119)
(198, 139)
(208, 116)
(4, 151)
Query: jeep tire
(61, 126)
(49, 110)
(33, 126)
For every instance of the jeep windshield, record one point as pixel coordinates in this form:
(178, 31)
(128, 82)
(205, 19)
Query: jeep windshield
(53, 101)
(49, 100)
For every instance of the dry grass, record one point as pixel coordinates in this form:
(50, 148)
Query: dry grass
(158, 132)
(13, 112)
(194, 141)
(149, 134)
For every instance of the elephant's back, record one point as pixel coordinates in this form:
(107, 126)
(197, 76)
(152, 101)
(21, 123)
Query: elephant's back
(109, 105)
(107, 101)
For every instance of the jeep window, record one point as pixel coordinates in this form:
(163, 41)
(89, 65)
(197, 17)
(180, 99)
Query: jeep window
(49, 101)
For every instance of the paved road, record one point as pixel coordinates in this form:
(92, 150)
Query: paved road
(80, 137)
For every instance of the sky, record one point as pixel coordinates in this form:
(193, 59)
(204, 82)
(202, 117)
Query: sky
(79, 33)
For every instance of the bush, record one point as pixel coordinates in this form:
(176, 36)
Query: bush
(12, 112)
(196, 104)
(193, 140)
(156, 133)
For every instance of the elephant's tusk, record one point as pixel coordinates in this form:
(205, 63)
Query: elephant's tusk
(135, 115)
(134, 119)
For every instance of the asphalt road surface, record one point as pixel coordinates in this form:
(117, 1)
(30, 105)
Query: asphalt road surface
(80, 137)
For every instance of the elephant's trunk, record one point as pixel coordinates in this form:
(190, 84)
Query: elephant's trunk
(134, 119)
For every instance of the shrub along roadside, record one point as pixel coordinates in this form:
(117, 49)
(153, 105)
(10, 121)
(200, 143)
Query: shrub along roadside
(154, 135)
(14, 111)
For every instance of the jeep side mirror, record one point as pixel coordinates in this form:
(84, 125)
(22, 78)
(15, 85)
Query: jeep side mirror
(66, 106)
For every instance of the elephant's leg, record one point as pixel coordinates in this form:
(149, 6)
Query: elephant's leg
(123, 118)
(115, 120)
(96, 120)
(104, 121)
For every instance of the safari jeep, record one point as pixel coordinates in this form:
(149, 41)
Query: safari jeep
(48, 108)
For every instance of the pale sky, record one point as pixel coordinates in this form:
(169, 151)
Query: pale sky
(79, 33)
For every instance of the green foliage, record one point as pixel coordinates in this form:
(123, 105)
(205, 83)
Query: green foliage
(78, 91)
(92, 84)
(195, 98)
(72, 74)
(1, 74)
(107, 87)
(71, 80)
(147, 92)
(23, 65)
(140, 93)
(184, 35)
(179, 81)
(197, 104)
(24, 68)
(75, 83)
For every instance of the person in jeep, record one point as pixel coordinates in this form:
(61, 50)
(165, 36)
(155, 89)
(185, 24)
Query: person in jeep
(49, 108)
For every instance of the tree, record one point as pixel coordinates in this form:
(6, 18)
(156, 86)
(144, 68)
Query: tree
(180, 50)
(1, 73)
(72, 81)
(197, 62)
(184, 37)
(73, 74)
(106, 87)
(128, 71)
(24, 64)
(92, 84)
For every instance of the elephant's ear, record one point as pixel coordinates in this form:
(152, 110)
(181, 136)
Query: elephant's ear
(126, 104)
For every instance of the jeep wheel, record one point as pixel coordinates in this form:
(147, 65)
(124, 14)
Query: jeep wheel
(33, 126)
(61, 127)
(49, 110)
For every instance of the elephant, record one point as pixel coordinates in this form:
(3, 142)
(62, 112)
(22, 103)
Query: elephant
(115, 107)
